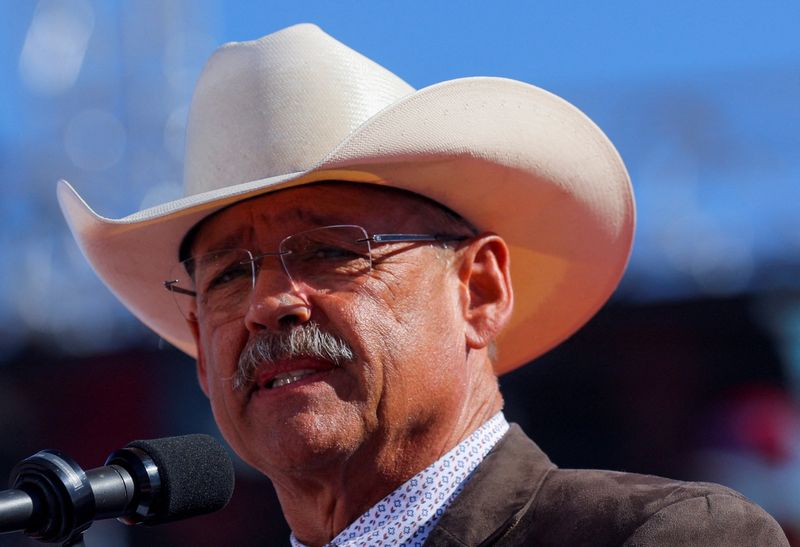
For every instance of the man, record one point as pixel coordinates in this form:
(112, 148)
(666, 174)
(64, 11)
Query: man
(342, 269)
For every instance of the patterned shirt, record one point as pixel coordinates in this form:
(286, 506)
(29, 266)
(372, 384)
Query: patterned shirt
(405, 517)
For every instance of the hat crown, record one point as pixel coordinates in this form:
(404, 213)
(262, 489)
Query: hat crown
(279, 105)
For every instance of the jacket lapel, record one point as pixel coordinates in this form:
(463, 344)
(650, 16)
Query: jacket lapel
(499, 491)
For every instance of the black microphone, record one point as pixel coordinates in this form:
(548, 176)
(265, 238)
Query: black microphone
(148, 482)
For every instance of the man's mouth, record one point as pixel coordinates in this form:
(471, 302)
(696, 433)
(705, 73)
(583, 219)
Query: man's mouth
(286, 378)
(269, 359)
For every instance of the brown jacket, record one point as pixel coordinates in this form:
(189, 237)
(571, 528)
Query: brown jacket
(518, 497)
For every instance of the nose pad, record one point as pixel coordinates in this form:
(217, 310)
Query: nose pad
(276, 301)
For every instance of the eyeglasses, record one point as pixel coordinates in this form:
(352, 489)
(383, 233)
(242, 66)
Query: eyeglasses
(218, 285)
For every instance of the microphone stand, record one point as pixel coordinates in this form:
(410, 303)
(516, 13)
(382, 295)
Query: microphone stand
(52, 499)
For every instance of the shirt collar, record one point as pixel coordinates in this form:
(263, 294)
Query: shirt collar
(407, 515)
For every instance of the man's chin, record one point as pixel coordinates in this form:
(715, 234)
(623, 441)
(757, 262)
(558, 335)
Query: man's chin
(305, 443)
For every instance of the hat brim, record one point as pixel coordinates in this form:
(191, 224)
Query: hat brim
(509, 157)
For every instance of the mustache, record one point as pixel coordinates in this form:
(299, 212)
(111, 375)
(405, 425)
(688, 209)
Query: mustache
(304, 340)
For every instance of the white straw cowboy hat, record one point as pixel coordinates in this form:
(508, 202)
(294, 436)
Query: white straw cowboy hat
(297, 107)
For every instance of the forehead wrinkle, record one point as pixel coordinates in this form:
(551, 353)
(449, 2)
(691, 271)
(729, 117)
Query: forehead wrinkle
(269, 218)
(259, 228)
(302, 216)
(216, 234)
(330, 203)
(207, 242)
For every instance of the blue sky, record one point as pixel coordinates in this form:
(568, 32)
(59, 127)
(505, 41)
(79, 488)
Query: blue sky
(549, 41)
(701, 98)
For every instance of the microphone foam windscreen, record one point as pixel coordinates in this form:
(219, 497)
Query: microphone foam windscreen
(196, 475)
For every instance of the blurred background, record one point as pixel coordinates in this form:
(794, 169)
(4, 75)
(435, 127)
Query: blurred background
(693, 369)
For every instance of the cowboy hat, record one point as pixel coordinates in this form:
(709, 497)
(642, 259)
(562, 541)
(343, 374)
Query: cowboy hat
(297, 107)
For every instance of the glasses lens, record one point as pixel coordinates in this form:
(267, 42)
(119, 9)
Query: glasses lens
(325, 258)
(221, 282)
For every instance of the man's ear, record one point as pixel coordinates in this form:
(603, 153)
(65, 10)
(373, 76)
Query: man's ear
(488, 298)
(201, 365)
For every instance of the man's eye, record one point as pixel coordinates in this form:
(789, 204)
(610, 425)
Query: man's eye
(232, 274)
(324, 252)
(330, 252)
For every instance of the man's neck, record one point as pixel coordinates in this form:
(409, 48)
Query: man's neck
(318, 506)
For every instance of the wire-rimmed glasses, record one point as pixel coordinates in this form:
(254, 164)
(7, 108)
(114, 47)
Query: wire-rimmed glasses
(218, 285)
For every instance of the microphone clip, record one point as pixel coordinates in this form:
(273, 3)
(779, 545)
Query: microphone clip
(63, 500)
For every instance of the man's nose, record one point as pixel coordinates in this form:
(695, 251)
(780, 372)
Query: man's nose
(276, 302)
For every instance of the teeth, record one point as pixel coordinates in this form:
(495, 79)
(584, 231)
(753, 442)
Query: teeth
(289, 377)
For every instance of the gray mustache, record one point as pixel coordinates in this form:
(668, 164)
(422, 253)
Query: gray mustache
(304, 340)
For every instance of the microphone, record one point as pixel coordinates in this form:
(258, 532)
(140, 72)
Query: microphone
(150, 482)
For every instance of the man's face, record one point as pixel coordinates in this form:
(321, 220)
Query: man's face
(403, 320)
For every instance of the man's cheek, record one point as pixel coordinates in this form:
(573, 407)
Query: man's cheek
(223, 349)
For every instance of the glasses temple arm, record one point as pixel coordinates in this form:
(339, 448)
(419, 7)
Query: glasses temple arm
(386, 238)
(171, 286)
